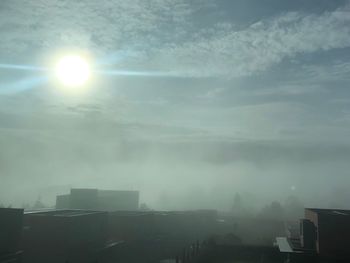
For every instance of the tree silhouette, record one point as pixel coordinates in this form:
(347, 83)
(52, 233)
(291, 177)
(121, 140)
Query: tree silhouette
(273, 211)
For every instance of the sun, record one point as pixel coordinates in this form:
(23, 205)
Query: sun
(73, 71)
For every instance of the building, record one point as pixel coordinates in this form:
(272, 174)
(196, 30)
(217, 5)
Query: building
(322, 236)
(64, 236)
(184, 225)
(102, 200)
(10, 234)
(112, 200)
(153, 236)
(330, 232)
(83, 199)
(63, 201)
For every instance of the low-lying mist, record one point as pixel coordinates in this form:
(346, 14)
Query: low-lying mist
(171, 173)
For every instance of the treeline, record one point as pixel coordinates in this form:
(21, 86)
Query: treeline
(291, 209)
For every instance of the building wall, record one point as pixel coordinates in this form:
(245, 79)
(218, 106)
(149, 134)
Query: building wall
(48, 236)
(334, 231)
(190, 225)
(64, 230)
(110, 200)
(313, 217)
(84, 199)
(102, 200)
(10, 229)
(130, 226)
(63, 202)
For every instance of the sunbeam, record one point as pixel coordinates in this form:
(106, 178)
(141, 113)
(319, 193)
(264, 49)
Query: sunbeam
(109, 72)
(22, 67)
(138, 73)
(29, 83)
(22, 85)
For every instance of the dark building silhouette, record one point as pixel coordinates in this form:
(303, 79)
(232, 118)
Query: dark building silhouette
(323, 236)
(10, 234)
(112, 200)
(159, 235)
(64, 236)
(183, 225)
(63, 201)
(307, 234)
(84, 199)
(102, 200)
(331, 231)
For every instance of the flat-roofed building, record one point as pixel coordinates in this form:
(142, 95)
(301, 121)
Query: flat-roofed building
(101, 200)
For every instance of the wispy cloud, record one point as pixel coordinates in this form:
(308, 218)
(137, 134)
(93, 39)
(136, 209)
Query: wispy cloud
(103, 25)
(164, 37)
(229, 53)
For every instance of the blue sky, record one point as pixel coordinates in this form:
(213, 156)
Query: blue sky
(244, 72)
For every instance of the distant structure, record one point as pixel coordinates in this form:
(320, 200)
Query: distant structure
(102, 200)
(323, 236)
(112, 200)
(11, 221)
(84, 199)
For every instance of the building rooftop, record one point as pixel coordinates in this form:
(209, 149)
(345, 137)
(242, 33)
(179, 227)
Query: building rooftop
(283, 245)
(340, 212)
(62, 213)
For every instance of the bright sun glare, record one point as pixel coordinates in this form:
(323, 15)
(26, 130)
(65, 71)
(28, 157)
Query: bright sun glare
(72, 70)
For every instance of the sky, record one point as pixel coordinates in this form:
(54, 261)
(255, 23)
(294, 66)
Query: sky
(220, 97)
